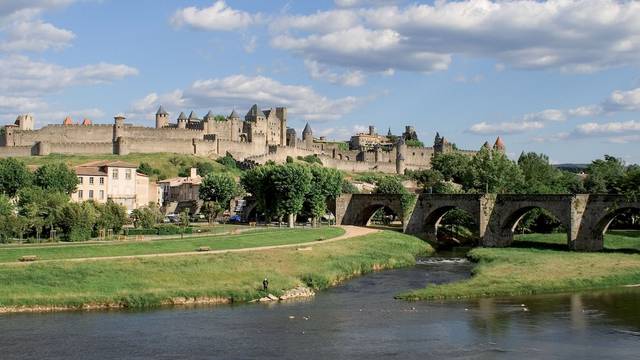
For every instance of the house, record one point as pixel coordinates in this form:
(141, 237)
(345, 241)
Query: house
(115, 180)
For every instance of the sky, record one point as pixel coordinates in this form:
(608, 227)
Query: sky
(557, 77)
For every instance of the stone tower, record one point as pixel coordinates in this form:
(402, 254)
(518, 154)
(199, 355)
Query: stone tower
(162, 118)
(182, 121)
(25, 122)
(118, 127)
(499, 145)
(401, 155)
(307, 136)
(281, 114)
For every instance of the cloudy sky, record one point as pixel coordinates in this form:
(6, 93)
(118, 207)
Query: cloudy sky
(559, 77)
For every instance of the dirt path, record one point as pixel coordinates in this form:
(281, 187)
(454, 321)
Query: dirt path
(350, 232)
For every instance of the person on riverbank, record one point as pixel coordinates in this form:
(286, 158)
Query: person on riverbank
(265, 284)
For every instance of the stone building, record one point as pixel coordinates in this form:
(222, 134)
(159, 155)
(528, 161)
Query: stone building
(117, 181)
(260, 136)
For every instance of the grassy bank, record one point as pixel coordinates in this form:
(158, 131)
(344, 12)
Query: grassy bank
(231, 276)
(176, 245)
(543, 269)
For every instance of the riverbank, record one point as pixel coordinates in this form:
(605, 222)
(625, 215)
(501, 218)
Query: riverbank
(537, 264)
(211, 278)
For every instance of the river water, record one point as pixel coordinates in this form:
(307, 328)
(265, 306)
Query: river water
(358, 320)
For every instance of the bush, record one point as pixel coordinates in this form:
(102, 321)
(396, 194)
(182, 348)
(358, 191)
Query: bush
(228, 161)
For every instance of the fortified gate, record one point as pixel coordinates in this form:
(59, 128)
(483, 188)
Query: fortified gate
(586, 217)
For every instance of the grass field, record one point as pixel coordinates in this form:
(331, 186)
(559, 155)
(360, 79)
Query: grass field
(161, 161)
(542, 268)
(232, 276)
(221, 242)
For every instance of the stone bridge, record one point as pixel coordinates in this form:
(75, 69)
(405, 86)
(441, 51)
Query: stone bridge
(586, 217)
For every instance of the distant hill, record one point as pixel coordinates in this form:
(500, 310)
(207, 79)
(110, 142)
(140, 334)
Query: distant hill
(575, 168)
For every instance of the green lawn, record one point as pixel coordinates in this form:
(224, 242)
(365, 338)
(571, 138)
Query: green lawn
(159, 161)
(221, 242)
(233, 276)
(543, 269)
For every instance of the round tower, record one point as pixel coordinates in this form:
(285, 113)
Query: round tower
(162, 118)
(307, 135)
(182, 121)
(401, 155)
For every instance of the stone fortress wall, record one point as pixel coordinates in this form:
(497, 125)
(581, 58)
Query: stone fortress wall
(261, 136)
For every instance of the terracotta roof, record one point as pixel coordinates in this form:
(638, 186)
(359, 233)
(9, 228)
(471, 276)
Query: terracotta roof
(67, 121)
(86, 122)
(499, 145)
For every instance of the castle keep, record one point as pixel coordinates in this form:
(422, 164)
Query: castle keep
(259, 136)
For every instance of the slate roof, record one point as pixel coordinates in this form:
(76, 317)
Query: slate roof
(161, 111)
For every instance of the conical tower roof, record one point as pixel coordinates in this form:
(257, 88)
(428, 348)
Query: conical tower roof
(209, 115)
(182, 116)
(253, 111)
(234, 115)
(67, 121)
(499, 145)
(307, 129)
(193, 116)
(161, 111)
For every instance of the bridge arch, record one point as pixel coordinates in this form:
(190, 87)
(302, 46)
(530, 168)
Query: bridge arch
(433, 220)
(513, 218)
(384, 210)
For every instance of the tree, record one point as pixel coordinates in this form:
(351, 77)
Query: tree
(219, 118)
(147, 169)
(414, 143)
(14, 175)
(219, 189)
(393, 185)
(56, 177)
(228, 161)
(292, 183)
(605, 176)
(492, 171)
(453, 166)
(204, 168)
(211, 210)
(630, 184)
(110, 216)
(327, 184)
(349, 188)
(256, 182)
(540, 177)
(146, 217)
(78, 220)
(428, 179)
(6, 207)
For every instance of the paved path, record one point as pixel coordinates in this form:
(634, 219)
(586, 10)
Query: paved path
(350, 232)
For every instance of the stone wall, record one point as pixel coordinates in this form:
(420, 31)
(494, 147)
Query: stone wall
(139, 132)
(78, 148)
(63, 134)
(15, 151)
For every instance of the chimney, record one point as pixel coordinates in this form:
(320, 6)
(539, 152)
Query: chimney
(194, 173)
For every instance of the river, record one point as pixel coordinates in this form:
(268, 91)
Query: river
(358, 320)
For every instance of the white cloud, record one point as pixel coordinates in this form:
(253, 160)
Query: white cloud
(217, 17)
(546, 115)
(615, 127)
(484, 128)
(624, 139)
(21, 75)
(322, 72)
(568, 35)
(8, 7)
(556, 137)
(251, 45)
(623, 101)
(241, 91)
(585, 111)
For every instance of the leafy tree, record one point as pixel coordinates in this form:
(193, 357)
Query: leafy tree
(56, 177)
(78, 220)
(453, 166)
(219, 118)
(311, 159)
(289, 159)
(630, 184)
(605, 176)
(256, 182)
(14, 175)
(428, 179)
(205, 168)
(211, 210)
(219, 189)
(414, 143)
(349, 188)
(228, 161)
(148, 170)
(110, 216)
(291, 183)
(6, 207)
(540, 177)
(146, 217)
(492, 171)
(327, 184)
(393, 185)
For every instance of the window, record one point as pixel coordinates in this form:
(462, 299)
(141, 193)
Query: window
(101, 194)
(91, 180)
(80, 179)
(90, 194)
(127, 174)
(114, 174)
(101, 180)
(79, 194)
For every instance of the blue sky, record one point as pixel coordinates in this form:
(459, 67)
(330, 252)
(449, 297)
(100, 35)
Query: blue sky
(559, 77)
